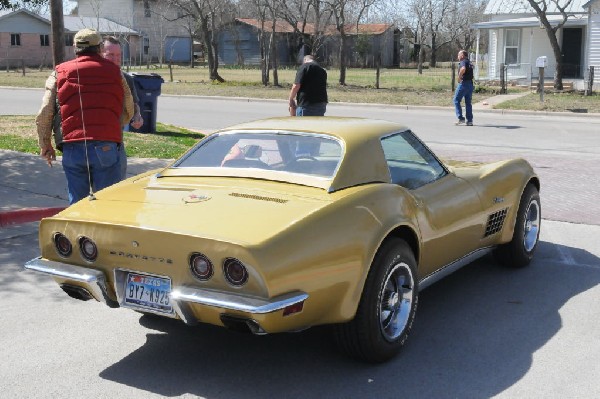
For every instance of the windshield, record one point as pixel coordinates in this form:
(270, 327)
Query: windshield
(309, 154)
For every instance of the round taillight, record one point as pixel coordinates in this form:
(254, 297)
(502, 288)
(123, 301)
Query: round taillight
(62, 244)
(88, 249)
(235, 271)
(201, 267)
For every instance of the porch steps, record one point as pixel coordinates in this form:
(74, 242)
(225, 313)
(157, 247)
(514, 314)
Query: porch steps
(549, 86)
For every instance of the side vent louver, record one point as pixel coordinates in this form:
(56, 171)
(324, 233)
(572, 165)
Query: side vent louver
(495, 222)
(258, 197)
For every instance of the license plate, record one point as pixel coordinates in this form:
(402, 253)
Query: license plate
(148, 292)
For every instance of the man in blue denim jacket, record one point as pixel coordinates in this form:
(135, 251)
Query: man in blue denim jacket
(464, 89)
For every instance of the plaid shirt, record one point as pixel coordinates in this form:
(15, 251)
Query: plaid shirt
(45, 116)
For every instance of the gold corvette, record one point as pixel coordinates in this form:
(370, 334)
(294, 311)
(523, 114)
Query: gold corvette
(287, 223)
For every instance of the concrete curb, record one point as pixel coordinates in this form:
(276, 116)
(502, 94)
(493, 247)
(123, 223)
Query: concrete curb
(27, 215)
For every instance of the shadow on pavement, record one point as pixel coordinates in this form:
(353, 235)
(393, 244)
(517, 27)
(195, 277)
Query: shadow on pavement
(474, 336)
(508, 127)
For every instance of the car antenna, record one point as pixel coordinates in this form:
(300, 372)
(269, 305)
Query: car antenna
(91, 197)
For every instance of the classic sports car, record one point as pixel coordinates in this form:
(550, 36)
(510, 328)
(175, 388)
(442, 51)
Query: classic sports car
(287, 223)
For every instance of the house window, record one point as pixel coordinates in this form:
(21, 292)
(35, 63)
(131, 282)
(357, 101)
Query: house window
(511, 46)
(68, 39)
(15, 39)
(147, 12)
(146, 45)
(44, 40)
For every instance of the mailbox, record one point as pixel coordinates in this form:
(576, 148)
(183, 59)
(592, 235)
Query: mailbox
(541, 62)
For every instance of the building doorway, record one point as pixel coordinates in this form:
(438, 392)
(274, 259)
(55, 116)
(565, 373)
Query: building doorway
(571, 52)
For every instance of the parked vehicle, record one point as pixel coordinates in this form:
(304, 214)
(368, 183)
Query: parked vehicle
(286, 223)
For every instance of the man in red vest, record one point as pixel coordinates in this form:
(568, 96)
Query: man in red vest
(93, 101)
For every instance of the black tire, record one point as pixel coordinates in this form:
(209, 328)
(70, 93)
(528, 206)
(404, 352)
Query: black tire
(519, 251)
(387, 307)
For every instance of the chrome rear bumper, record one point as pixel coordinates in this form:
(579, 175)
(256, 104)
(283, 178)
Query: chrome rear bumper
(92, 280)
(182, 297)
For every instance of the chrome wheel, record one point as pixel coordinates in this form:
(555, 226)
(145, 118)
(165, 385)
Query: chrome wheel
(532, 225)
(387, 306)
(395, 301)
(519, 251)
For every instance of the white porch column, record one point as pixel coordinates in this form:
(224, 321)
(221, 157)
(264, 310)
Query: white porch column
(477, 56)
(530, 55)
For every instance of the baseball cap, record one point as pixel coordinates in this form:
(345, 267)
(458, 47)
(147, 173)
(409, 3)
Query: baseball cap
(86, 38)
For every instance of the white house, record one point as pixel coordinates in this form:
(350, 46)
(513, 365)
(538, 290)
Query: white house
(516, 38)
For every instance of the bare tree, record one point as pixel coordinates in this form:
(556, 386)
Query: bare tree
(541, 8)
(346, 13)
(189, 24)
(31, 5)
(419, 10)
(309, 19)
(436, 22)
(470, 12)
(40, 7)
(212, 16)
(96, 6)
(161, 14)
(265, 39)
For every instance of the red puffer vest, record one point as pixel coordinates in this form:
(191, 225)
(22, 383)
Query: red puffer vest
(99, 82)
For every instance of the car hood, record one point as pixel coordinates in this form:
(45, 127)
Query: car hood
(243, 211)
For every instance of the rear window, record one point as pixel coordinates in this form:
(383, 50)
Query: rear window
(308, 154)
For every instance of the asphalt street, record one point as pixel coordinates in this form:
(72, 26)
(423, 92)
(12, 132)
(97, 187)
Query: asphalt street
(564, 148)
(483, 332)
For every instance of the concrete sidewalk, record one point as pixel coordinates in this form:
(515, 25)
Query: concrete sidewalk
(490, 102)
(27, 182)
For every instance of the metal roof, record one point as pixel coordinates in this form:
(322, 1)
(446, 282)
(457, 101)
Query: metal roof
(282, 26)
(103, 25)
(522, 7)
(574, 20)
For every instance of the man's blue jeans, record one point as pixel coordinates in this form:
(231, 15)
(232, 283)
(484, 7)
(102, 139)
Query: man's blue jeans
(315, 109)
(104, 167)
(464, 89)
(123, 161)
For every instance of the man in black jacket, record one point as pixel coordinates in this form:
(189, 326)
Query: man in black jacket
(309, 92)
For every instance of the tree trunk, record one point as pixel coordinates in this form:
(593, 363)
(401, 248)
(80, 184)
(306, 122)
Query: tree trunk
(214, 70)
(558, 75)
(191, 51)
(212, 55)
(433, 56)
(274, 59)
(551, 32)
(264, 61)
(421, 59)
(343, 58)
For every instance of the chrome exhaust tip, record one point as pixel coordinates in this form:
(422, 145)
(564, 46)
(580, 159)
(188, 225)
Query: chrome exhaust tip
(77, 292)
(242, 324)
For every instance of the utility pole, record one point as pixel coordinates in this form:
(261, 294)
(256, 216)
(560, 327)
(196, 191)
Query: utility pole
(58, 31)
